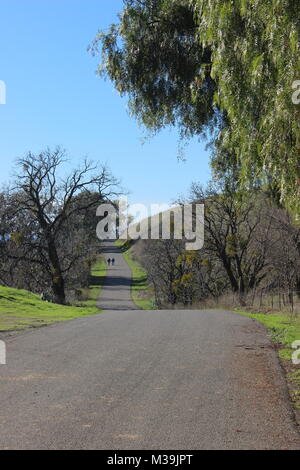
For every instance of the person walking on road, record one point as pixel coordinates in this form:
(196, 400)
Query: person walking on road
(108, 261)
(113, 261)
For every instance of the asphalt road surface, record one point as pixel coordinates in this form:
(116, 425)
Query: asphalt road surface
(115, 294)
(130, 379)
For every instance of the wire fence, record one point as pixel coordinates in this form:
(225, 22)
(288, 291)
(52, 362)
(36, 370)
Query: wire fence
(265, 299)
(258, 300)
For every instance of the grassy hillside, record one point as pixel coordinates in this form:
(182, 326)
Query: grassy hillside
(20, 309)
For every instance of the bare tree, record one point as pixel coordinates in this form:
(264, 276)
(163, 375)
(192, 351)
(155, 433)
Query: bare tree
(54, 207)
(238, 233)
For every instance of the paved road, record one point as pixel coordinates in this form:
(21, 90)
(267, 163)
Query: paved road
(145, 380)
(130, 379)
(115, 294)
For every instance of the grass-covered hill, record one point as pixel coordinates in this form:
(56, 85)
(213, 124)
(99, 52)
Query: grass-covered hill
(20, 309)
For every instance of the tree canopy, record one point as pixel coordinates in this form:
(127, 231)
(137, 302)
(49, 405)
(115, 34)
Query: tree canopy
(221, 66)
(48, 224)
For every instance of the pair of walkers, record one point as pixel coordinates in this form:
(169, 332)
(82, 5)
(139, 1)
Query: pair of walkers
(111, 261)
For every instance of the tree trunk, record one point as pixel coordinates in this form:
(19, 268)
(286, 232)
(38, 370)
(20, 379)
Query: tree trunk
(233, 281)
(58, 283)
(298, 286)
(58, 288)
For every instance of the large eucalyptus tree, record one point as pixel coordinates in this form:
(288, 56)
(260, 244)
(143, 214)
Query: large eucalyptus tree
(226, 66)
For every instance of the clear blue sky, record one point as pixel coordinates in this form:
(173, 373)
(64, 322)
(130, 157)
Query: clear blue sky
(55, 98)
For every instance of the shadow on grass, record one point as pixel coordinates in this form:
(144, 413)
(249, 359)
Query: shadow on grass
(126, 246)
(139, 282)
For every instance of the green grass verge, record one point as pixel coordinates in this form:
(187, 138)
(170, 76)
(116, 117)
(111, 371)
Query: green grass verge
(284, 330)
(91, 294)
(140, 289)
(20, 309)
